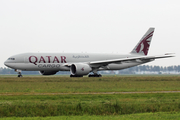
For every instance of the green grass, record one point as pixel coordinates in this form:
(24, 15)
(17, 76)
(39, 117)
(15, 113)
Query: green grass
(20, 97)
(144, 116)
(88, 85)
(59, 105)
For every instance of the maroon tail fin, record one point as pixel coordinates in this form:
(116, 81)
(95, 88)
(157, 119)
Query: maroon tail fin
(142, 47)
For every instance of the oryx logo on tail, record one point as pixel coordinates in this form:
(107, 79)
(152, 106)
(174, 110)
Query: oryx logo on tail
(143, 46)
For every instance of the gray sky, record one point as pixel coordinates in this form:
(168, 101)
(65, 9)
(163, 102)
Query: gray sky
(92, 26)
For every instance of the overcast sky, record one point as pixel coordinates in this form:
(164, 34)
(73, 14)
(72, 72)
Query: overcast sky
(92, 26)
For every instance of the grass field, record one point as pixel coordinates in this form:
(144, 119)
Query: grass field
(84, 85)
(144, 116)
(18, 97)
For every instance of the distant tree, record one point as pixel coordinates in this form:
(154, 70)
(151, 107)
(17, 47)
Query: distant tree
(147, 67)
(143, 68)
(161, 68)
(178, 68)
(165, 68)
(170, 68)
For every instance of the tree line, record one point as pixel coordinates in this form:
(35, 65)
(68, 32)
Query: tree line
(148, 68)
(132, 70)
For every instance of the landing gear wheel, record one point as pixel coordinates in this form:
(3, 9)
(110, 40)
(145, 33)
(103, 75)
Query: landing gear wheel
(76, 75)
(19, 75)
(19, 72)
(95, 75)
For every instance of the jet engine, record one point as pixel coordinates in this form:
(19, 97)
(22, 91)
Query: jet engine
(48, 72)
(80, 69)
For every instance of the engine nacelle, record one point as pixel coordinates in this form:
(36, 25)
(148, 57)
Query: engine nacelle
(48, 72)
(80, 69)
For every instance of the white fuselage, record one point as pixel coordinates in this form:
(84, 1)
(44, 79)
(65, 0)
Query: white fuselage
(60, 61)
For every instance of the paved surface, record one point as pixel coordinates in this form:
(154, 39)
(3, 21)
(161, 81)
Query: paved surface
(91, 93)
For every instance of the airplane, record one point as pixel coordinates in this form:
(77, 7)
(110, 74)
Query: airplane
(81, 64)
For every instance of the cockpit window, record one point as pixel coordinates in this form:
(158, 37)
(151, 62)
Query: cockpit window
(11, 58)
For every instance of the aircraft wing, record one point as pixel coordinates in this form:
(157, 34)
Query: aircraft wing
(137, 59)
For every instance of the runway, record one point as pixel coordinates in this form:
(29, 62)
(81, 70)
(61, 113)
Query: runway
(90, 93)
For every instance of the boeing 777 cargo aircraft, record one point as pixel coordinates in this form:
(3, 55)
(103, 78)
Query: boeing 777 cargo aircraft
(80, 64)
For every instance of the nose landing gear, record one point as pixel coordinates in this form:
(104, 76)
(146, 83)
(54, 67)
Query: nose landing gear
(19, 73)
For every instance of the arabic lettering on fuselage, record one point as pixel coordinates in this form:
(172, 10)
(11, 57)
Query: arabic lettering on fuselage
(80, 56)
(47, 59)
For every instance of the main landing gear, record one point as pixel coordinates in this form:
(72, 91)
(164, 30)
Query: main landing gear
(90, 75)
(19, 73)
(76, 75)
(95, 75)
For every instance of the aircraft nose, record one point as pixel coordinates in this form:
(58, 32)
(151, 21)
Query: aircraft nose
(5, 63)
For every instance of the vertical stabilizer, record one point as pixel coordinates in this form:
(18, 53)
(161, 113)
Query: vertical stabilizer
(142, 47)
